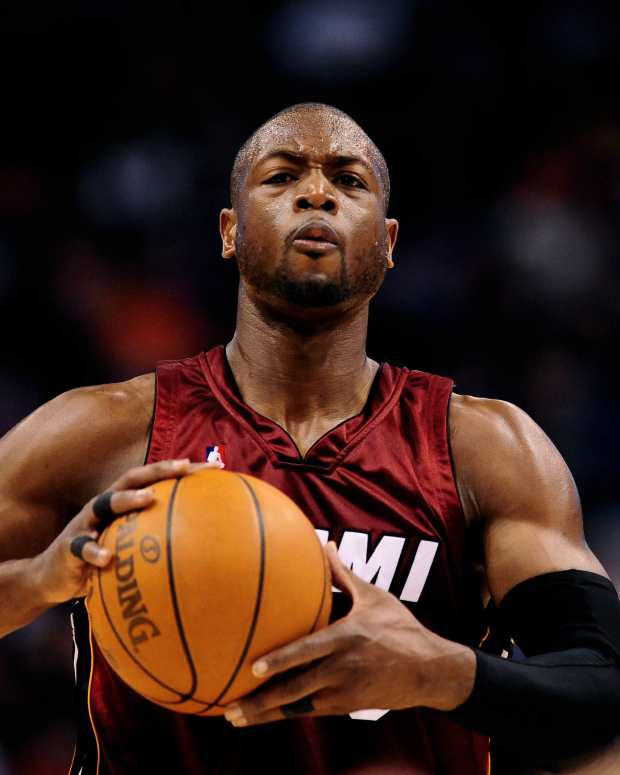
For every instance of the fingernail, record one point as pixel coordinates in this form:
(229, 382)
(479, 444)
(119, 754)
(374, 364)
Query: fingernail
(180, 463)
(234, 713)
(260, 667)
(145, 492)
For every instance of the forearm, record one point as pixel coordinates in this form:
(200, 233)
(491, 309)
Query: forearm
(563, 700)
(451, 675)
(554, 705)
(22, 598)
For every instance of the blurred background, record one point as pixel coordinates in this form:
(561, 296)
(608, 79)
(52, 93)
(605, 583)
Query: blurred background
(501, 127)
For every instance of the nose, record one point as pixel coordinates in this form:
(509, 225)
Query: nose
(316, 194)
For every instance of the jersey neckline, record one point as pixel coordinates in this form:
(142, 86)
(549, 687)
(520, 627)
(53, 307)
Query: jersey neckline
(333, 446)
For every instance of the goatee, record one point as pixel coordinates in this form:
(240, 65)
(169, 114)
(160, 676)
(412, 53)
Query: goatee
(311, 292)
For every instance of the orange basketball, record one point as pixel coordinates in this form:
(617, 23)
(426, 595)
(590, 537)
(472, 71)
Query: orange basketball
(220, 570)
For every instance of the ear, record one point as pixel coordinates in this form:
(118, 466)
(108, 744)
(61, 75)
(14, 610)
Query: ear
(228, 231)
(391, 227)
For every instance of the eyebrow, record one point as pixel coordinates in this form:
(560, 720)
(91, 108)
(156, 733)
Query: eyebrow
(336, 161)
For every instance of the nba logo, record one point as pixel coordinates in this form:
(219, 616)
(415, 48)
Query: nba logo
(215, 454)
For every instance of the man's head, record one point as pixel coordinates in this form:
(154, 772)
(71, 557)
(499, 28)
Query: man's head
(309, 192)
(248, 151)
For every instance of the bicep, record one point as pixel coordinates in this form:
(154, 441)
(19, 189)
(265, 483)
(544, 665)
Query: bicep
(61, 455)
(35, 493)
(517, 550)
(526, 497)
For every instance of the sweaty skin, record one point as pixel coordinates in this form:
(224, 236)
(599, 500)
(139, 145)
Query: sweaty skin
(305, 367)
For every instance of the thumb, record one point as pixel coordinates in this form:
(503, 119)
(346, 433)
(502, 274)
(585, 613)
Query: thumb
(343, 577)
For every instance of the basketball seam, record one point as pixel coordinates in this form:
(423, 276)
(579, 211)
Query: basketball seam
(182, 697)
(124, 647)
(318, 615)
(259, 594)
(197, 700)
(173, 593)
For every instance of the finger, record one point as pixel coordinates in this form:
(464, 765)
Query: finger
(142, 476)
(318, 704)
(299, 652)
(210, 464)
(342, 576)
(109, 505)
(297, 708)
(85, 548)
(289, 690)
(206, 464)
(269, 715)
(102, 508)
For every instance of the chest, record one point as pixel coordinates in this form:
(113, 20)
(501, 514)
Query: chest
(376, 490)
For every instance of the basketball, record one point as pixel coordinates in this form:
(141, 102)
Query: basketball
(221, 569)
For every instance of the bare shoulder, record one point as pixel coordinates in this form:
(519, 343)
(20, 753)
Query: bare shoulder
(516, 485)
(118, 406)
(475, 418)
(501, 453)
(80, 438)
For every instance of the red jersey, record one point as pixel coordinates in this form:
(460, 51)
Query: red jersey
(381, 485)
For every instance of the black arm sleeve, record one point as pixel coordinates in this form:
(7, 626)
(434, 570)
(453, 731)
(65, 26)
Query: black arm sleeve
(563, 700)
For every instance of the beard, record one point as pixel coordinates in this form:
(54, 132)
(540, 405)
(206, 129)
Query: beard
(314, 291)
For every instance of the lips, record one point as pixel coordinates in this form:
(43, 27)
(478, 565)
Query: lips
(316, 237)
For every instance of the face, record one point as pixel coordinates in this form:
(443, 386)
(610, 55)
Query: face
(309, 229)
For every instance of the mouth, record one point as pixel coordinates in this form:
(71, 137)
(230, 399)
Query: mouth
(316, 238)
(313, 246)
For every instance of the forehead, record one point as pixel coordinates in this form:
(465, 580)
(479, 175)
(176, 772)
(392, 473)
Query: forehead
(315, 134)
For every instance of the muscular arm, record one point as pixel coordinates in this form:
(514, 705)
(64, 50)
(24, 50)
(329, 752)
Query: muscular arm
(52, 463)
(514, 483)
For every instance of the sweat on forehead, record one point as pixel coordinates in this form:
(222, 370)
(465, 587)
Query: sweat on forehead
(326, 120)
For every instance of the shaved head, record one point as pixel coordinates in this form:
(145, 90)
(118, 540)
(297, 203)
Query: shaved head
(337, 121)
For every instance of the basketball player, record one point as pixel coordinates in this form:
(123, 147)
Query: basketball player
(413, 483)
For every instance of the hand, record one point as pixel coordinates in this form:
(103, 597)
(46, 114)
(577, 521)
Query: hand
(377, 656)
(60, 574)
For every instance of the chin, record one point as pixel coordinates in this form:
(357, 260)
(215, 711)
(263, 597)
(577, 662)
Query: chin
(316, 292)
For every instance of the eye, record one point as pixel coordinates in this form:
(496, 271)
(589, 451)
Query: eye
(350, 180)
(278, 177)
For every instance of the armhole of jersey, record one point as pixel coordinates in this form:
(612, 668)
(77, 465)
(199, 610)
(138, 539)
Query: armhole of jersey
(152, 425)
(86, 755)
(450, 454)
(163, 422)
(445, 484)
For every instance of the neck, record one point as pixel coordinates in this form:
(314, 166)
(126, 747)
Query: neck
(306, 380)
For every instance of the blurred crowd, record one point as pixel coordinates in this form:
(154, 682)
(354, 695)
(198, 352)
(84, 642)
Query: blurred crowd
(502, 134)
